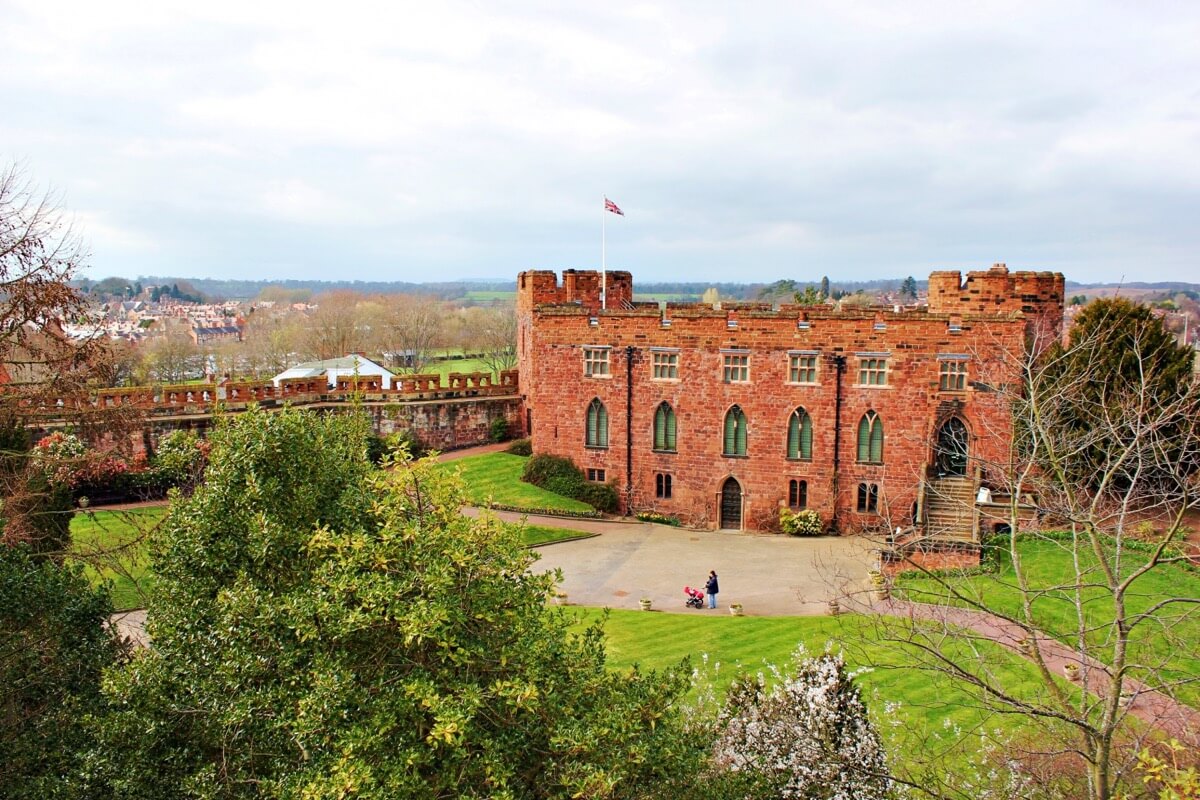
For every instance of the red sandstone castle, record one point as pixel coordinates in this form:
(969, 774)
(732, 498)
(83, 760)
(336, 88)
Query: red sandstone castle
(722, 414)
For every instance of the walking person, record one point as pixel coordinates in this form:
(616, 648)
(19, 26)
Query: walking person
(712, 587)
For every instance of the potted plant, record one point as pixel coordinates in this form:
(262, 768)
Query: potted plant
(645, 603)
(1025, 645)
(1071, 670)
(736, 609)
(834, 607)
(560, 597)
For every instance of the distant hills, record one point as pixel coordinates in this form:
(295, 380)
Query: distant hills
(495, 290)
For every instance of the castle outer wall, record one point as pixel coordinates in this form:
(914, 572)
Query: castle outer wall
(558, 322)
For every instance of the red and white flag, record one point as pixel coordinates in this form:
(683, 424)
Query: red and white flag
(609, 205)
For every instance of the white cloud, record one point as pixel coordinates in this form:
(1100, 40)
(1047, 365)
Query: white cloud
(476, 139)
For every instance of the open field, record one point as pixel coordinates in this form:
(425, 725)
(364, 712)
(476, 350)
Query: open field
(446, 366)
(496, 477)
(1050, 570)
(482, 296)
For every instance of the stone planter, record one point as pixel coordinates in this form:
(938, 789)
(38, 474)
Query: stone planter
(645, 603)
(879, 586)
(560, 598)
(1071, 671)
(835, 607)
(1127, 698)
(736, 610)
(1025, 646)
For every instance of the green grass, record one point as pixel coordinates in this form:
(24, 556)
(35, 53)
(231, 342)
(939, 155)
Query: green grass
(113, 548)
(928, 702)
(496, 477)
(533, 535)
(447, 366)
(1169, 640)
(481, 296)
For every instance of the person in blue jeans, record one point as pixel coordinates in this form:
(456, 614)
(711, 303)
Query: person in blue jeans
(712, 587)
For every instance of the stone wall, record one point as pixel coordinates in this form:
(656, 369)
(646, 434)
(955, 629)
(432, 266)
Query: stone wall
(557, 394)
(445, 415)
(1039, 296)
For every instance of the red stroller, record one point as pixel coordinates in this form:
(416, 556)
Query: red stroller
(695, 597)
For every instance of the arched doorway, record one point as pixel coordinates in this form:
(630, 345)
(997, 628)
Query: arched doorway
(731, 504)
(951, 452)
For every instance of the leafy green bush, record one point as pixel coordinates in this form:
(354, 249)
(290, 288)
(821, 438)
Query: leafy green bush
(805, 522)
(561, 476)
(520, 447)
(602, 496)
(541, 468)
(498, 430)
(410, 441)
(566, 486)
(180, 459)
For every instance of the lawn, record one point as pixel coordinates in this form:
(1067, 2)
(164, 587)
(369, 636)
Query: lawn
(1170, 640)
(446, 366)
(496, 477)
(928, 702)
(534, 535)
(113, 547)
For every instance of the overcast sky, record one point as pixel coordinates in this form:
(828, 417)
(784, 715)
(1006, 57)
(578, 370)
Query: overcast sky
(744, 141)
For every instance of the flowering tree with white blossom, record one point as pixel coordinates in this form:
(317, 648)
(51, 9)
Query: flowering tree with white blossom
(807, 737)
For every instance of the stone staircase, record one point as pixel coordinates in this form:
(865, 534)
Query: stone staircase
(950, 509)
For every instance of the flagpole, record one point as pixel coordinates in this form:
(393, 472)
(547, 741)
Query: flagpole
(603, 267)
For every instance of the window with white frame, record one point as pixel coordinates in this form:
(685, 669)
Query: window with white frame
(872, 370)
(595, 361)
(802, 368)
(952, 374)
(737, 368)
(664, 366)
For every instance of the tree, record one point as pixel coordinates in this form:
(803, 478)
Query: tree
(778, 290)
(825, 286)
(806, 738)
(324, 629)
(334, 329)
(272, 342)
(405, 329)
(171, 358)
(1104, 452)
(809, 297)
(909, 288)
(1119, 358)
(492, 333)
(39, 255)
(53, 650)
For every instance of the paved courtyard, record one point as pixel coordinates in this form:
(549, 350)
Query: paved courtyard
(768, 574)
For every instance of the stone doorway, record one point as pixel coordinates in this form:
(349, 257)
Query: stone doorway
(731, 505)
(950, 456)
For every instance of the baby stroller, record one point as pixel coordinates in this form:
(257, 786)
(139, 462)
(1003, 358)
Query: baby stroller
(695, 597)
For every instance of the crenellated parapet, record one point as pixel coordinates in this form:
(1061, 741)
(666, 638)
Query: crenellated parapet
(191, 399)
(1037, 295)
(579, 287)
